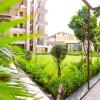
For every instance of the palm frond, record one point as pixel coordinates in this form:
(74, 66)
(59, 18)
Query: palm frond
(5, 4)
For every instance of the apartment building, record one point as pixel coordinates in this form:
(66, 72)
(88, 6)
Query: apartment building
(40, 25)
(35, 24)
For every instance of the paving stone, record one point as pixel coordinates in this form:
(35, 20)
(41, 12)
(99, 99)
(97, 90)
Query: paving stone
(94, 93)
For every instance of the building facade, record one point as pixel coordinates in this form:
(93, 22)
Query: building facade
(35, 11)
(70, 40)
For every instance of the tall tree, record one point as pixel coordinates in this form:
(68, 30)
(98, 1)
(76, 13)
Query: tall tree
(79, 23)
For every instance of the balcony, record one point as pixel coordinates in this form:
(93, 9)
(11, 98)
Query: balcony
(5, 16)
(17, 31)
(43, 23)
(41, 11)
(20, 42)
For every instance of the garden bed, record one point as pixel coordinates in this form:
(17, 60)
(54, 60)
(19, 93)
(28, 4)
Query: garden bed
(44, 72)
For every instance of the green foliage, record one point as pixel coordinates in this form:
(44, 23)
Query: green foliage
(59, 53)
(6, 5)
(72, 79)
(35, 70)
(4, 26)
(79, 23)
(4, 76)
(73, 76)
(97, 13)
(18, 50)
(10, 90)
(4, 35)
(28, 55)
(10, 40)
(5, 56)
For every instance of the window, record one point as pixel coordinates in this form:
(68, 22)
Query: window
(21, 13)
(75, 47)
(20, 34)
(40, 41)
(15, 35)
(15, 26)
(38, 29)
(39, 3)
(22, 3)
(21, 25)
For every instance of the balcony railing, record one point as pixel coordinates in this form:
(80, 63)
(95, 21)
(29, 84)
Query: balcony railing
(17, 31)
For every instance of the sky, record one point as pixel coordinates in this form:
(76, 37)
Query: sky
(60, 13)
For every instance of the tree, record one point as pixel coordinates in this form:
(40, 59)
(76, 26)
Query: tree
(97, 31)
(97, 39)
(79, 23)
(97, 13)
(59, 53)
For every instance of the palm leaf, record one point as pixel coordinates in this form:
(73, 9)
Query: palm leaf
(5, 4)
(4, 26)
(10, 40)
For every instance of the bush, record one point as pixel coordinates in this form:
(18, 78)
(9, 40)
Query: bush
(74, 76)
(35, 71)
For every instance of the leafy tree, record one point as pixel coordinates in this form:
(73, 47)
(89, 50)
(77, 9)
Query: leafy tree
(97, 39)
(59, 53)
(79, 23)
(97, 31)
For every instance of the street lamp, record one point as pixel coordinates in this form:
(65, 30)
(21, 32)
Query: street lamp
(92, 5)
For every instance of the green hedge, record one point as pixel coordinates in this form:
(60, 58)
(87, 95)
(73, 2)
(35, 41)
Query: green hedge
(73, 78)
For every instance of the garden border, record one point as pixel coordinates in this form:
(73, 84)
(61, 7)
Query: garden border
(82, 91)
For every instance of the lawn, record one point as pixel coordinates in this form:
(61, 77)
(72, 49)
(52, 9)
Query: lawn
(50, 66)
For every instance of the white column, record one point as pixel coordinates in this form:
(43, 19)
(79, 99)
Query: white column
(28, 25)
(34, 24)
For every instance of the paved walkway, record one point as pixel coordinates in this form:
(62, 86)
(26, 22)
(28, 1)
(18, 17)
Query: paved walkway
(94, 93)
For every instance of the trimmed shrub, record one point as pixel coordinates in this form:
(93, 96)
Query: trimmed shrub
(59, 53)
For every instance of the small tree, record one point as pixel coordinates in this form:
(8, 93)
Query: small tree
(59, 53)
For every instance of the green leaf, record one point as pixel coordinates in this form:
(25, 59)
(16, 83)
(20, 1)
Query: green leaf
(10, 40)
(5, 4)
(4, 26)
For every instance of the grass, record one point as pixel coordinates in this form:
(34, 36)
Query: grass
(50, 66)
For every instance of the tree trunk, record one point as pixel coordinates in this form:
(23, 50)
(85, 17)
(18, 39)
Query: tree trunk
(59, 69)
(84, 49)
(60, 92)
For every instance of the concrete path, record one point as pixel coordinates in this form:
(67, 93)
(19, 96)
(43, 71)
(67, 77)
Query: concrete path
(94, 93)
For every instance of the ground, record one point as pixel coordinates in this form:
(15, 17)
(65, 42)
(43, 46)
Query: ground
(94, 93)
